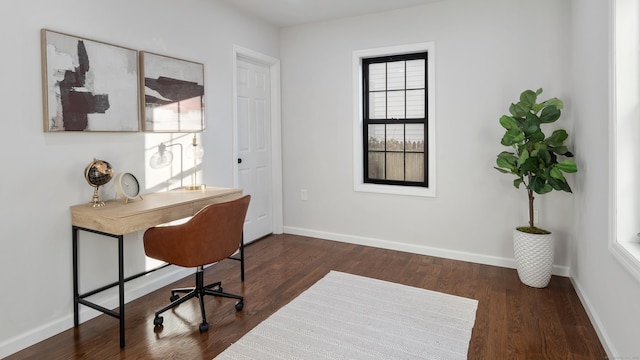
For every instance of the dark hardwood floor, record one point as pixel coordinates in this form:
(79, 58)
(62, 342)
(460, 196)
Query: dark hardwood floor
(513, 321)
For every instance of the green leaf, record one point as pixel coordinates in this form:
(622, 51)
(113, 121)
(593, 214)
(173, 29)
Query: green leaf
(537, 136)
(549, 114)
(512, 136)
(545, 157)
(556, 173)
(554, 102)
(508, 122)
(518, 110)
(507, 160)
(502, 170)
(537, 183)
(529, 166)
(540, 146)
(559, 184)
(557, 138)
(528, 99)
(517, 182)
(508, 155)
(502, 164)
(542, 188)
(546, 189)
(524, 155)
(560, 150)
(568, 166)
(531, 124)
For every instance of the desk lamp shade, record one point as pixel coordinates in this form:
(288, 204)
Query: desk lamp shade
(164, 157)
(196, 152)
(161, 158)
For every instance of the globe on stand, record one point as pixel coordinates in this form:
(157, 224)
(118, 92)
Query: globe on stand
(98, 173)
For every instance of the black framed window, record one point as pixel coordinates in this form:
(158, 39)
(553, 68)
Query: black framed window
(395, 119)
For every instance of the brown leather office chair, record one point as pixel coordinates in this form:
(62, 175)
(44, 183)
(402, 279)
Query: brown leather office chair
(212, 234)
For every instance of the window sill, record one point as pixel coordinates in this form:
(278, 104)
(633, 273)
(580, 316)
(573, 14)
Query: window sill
(628, 254)
(395, 190)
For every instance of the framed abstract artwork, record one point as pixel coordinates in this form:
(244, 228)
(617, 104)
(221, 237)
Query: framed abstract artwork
(88, 85)
(172, 91)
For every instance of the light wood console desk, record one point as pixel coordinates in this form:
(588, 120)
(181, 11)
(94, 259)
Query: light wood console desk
(116, 219)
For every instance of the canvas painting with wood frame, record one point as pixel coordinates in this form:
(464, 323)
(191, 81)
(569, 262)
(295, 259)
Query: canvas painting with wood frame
(173, 94)
(88, 85)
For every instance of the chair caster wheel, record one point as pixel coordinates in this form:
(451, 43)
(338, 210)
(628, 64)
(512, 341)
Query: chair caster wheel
(174, 297)
(158, 321)
(239, 305)
(204, 327)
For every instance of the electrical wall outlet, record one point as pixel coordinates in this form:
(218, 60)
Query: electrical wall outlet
(304, 195)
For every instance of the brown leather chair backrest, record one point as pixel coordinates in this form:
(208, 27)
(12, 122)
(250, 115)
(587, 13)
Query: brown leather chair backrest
(212, 234)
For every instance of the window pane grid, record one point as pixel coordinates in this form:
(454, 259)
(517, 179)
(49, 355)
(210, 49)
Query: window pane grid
(396, 152)
(395, 120)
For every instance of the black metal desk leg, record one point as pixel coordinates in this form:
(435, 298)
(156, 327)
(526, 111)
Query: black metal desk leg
(76, 294)
(121, 285)
(242, 258)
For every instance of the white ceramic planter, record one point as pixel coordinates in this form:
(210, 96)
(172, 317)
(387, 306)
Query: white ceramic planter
(534, 258)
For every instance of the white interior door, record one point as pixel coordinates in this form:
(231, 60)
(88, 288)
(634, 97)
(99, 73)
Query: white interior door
(253, 110)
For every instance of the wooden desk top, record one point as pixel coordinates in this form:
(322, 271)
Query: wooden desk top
(118, 218)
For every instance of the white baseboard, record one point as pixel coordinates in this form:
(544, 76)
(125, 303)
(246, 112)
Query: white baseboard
(109, 299)
(416, 249)
(595, 320)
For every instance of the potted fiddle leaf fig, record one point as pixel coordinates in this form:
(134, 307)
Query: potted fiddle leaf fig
(538, 163)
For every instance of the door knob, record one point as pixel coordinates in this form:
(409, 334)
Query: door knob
(239, 161)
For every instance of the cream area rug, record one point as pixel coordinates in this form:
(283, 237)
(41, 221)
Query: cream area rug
(344, 316)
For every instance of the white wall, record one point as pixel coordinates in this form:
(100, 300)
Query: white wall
(607, 289)
(43, 172)
(487, 52)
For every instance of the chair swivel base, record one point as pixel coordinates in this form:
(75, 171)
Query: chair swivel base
(198, 291)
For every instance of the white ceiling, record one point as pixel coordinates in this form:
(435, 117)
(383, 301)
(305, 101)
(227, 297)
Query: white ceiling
(283, 13)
